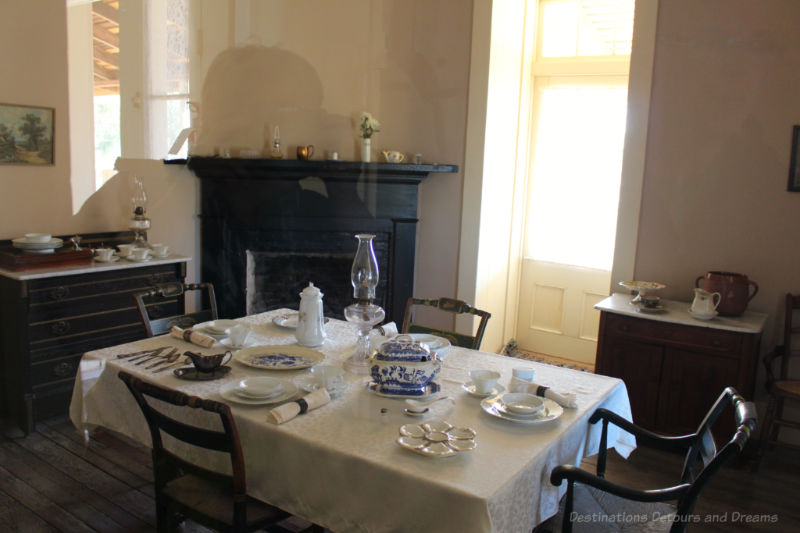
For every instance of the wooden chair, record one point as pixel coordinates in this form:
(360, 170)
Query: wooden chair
(781, 388)
(154, 325)
(452, 306)
(593, 496)
(215, 500)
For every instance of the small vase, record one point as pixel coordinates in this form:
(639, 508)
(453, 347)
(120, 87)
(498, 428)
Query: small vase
(366, 150)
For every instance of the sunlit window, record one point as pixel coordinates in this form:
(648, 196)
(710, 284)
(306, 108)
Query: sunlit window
(580, 99)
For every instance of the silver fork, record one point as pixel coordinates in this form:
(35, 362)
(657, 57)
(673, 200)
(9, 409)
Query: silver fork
(169, 357)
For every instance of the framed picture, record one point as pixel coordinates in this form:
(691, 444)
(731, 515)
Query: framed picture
(26, 135)
(794, 166)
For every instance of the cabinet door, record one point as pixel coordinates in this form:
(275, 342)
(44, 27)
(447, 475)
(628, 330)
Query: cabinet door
(638, 364)
(692, 381)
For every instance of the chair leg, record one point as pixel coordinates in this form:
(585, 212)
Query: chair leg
(767, 429)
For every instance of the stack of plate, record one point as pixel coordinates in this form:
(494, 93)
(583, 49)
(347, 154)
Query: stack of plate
(36, 246)
(215, 328)
(260, 390)
(522, 407)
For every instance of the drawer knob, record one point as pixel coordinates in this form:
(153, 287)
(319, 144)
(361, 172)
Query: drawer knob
(59, 292)
(63, 370)
(60, 328)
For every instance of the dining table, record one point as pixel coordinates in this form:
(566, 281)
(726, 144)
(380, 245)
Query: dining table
(340, 466)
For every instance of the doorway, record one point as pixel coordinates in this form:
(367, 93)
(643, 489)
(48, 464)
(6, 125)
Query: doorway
(577, 132)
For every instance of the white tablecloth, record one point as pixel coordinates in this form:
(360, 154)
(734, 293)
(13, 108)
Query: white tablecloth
(339, 466)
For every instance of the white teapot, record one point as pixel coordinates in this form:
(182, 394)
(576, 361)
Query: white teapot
(705, 303)
(310, 329)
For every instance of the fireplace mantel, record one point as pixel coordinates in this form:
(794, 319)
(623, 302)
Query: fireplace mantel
(297, 216)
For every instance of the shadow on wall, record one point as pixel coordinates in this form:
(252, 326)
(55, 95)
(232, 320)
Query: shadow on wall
(250, 89)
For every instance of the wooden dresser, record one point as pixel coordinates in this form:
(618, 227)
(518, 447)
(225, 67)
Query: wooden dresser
(50, 317)
(673, 365)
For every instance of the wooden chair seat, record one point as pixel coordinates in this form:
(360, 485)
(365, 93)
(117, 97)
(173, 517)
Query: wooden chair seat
(789, 388)
(198, 493)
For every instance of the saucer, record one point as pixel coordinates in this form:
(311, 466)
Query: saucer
(134, 260)
(470, 388)
(192, 374)
(702, 317)
(159, 256)
(551, 411)
(111, 260)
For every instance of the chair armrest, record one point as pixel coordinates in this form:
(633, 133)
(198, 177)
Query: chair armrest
(573, 473)
(662, 442)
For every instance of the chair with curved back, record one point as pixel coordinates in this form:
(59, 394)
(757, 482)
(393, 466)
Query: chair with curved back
(157, 325)
(210, 498)
(594, 496)
(782, 387)
(452, 306)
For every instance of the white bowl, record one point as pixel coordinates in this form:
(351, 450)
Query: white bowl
(522, 403)
(38, 237)
(259, 387)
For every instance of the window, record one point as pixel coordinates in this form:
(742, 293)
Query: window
(579, 110)
(140, 71)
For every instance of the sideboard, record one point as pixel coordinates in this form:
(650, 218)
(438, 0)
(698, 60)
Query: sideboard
(675, 366)
(50, 317)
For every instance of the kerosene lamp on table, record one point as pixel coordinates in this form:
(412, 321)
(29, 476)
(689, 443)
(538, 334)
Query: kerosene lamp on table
(139, 223)
(364, 313)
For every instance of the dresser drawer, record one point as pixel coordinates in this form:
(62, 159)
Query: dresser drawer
(81, 344)
(56, 370)
(72, 289)
(707, 339)
(95, 323)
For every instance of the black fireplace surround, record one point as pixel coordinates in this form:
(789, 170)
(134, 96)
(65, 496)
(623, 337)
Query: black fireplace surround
(269, 227)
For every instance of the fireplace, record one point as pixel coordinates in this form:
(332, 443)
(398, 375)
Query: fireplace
(268, 228)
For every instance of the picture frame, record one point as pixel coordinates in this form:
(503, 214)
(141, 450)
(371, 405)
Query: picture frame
(26, 135)
(794, 165)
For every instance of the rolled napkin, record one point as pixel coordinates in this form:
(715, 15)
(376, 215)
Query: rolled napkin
(564, 399)
(386, 330)
(192, 336)
(309, 402)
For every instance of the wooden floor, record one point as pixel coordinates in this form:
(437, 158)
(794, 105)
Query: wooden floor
(52, 480)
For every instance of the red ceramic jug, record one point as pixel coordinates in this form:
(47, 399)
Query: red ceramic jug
(734, 289)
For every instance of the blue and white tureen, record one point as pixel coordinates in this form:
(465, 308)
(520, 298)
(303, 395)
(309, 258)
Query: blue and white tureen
(404, 367)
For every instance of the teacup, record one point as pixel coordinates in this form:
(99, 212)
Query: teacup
(393, 156)
(484, 380)
(160, 249)
(525, 373)
(304, 153)
(650, 301)
(331, 377)
(238, 334)
(104, 254)
(125, 249)
(209, 363)
(139, 254)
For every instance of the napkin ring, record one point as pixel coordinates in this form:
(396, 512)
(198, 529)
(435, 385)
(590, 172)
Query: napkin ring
(187, 335)
(540, 390)
(303, 405)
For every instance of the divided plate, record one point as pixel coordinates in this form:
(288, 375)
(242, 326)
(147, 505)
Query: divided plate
(282, 357)
(494, 407)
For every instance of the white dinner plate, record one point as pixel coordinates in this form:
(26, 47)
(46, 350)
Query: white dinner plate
(229, 393)
(434, 343)
(216, 326)
(112, 259)
(470, 388)
(281, 357)
(493, 406)
(259, 387)
(289, 320)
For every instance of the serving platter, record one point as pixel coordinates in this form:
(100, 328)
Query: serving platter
(430, 388)
(281, 357)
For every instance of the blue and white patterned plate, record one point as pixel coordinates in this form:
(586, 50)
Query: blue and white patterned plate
(281, 357)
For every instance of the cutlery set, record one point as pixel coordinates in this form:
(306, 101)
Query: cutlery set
(157, 358)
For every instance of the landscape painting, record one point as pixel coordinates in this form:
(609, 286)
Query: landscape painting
(26, 135)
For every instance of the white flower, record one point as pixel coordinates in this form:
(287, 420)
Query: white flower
(369, 125)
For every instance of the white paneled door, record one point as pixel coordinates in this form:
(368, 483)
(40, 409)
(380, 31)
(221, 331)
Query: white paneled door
(557, 316)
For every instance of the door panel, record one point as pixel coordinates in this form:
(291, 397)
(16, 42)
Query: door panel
(557, 315)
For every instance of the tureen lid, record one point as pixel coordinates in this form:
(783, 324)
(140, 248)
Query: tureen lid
(403, 348)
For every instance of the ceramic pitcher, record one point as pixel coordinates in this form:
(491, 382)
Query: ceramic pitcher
(734, 289)
(705, 303)
(310, 321)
